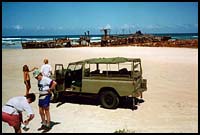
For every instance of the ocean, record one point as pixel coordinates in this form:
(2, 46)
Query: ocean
(14, 42)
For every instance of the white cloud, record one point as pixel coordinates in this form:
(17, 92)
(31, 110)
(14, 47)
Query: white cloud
(156, 26)
(130, 27)
(150, 26)
(60, 28)
(107, 26)
(104, 27)
(40, 28)
(18, 27)
(99, 27)
(185, 26)
(125, 26)
(133, 26)
(170, 26)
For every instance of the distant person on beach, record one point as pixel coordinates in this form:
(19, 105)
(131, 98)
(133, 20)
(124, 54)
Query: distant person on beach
(12, 111)
(27, 77)
(46, 69)
(46, 86)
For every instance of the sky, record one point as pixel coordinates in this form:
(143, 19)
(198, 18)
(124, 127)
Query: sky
(75, 18)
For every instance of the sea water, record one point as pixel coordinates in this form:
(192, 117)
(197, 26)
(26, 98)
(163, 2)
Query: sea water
(14, 42)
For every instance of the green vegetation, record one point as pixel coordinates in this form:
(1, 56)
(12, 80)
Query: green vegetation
(124, 131)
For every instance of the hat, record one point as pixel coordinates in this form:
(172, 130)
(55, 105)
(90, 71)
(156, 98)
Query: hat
(36, 73)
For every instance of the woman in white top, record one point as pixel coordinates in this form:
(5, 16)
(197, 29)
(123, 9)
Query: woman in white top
(46, 69)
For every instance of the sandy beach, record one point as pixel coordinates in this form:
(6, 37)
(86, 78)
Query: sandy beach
(171, 99)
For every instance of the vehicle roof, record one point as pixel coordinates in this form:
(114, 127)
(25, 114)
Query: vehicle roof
(112, 60)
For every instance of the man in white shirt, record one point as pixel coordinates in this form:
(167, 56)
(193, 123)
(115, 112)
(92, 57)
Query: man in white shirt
(12, 111)
(46, 69)
(46, 86)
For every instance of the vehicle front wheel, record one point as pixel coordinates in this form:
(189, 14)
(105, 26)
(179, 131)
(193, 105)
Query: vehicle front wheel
(109, 99)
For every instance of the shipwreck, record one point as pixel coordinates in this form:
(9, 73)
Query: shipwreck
(136, 38)
(56, 43)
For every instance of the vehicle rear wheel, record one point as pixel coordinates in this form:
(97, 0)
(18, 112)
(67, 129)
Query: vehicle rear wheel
(109, 99)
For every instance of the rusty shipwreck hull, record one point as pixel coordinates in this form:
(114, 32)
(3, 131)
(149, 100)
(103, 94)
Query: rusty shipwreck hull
(58, 43)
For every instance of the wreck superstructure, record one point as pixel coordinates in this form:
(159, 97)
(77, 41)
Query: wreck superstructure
(85, 40)
(138, 37)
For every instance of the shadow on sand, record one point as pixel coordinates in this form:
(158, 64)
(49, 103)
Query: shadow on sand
(87, 99)
(52, 123)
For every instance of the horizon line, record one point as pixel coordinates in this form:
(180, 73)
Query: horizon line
(96, 34)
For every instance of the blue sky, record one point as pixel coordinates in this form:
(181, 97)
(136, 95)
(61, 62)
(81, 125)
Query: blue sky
(50, 18)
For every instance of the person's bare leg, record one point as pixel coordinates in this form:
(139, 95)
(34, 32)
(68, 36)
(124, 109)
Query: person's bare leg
(42, 114)
(27, 89)
(17, 129)
(48, 116)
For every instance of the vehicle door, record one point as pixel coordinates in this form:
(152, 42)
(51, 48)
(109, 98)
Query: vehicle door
(59, 77)
(75, 70)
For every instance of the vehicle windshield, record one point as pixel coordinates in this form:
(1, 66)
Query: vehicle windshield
(73, 67)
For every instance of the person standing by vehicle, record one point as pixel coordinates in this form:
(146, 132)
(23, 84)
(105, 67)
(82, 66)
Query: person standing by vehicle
(46, 86)
(46, 69)
(12, 111)
(27, 81)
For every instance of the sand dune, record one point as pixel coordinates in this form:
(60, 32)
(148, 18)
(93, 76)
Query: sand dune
(171, 100)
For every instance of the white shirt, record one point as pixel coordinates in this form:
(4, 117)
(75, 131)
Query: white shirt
(44, 84)
(46, 69)
(20, 104)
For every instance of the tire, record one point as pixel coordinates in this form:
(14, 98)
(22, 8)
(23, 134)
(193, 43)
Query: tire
(109, 99)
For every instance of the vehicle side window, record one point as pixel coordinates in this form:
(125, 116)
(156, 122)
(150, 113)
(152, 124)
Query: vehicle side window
(108, 70)
(97, 69)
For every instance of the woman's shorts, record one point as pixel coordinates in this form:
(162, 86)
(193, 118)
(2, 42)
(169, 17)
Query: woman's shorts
(44, 101)
(11, 119)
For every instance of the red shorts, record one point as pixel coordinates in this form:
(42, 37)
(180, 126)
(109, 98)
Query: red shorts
(12, 120)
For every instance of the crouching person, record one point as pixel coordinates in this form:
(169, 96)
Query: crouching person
(46, 86)
(12, 111)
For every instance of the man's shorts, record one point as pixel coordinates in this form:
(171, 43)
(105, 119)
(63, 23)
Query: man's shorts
(44, 101)
(11, 119)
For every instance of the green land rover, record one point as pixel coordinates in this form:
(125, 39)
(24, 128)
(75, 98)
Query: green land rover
(108, 78)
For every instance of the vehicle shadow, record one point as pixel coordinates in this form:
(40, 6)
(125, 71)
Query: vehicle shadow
(87, 99)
